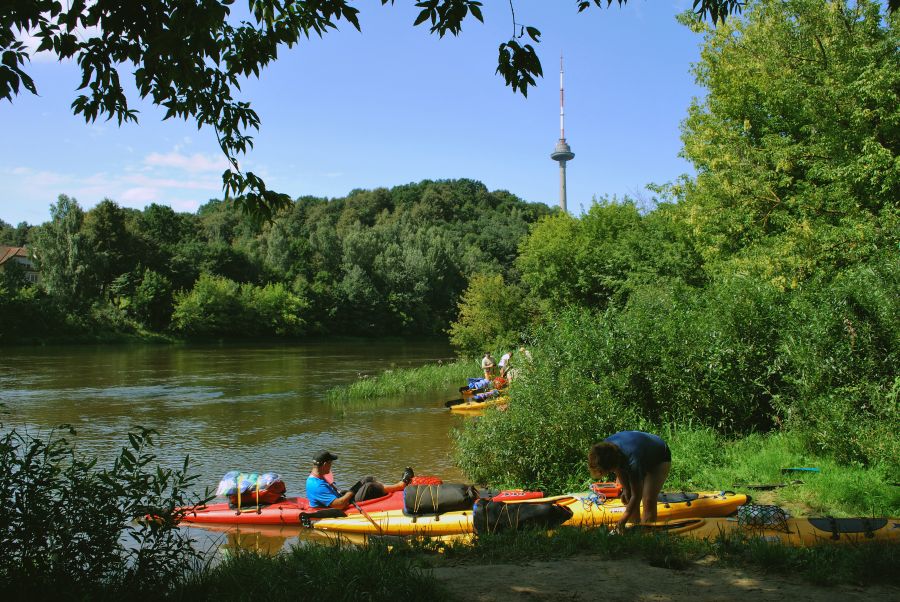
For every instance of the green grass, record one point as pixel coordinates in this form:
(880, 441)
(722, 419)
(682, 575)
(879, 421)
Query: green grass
(314, 572)
(394, 382)
(704, 460)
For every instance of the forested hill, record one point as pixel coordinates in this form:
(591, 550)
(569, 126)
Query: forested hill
(383, 261)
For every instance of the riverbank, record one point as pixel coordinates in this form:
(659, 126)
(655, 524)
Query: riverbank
(569, 564)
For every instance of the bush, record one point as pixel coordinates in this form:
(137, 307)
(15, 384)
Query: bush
(218, 307)
(491, 316)
(81, 531)
(840, 353)
(272, 310)
(212, 308)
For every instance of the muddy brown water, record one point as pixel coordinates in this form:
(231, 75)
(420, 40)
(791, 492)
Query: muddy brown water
(237, 407)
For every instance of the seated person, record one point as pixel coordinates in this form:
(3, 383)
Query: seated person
(322, 493)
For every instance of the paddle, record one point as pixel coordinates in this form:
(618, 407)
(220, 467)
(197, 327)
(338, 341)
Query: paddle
(355, 505)
(453, 402)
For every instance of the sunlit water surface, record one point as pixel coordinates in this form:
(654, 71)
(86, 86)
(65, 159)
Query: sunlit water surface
(237, 407)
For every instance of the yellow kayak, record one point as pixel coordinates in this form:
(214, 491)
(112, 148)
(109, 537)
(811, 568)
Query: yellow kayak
(478, 407)
(790, 531)
(587, 511)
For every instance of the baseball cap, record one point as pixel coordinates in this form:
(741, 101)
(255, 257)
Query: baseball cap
(324, 456)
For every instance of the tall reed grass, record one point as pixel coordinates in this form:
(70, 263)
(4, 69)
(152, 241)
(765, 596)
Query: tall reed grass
(431, 377)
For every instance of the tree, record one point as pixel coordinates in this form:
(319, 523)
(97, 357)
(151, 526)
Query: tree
(110, 245)
(189, 57)
(492, 315)
(61, 253)
(797, 143)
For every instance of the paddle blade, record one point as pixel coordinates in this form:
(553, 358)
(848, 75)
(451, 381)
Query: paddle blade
(453, 402)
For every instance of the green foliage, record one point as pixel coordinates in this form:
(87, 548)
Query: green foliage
(796, 143)
(61, 254)
(110, 247)
(152, 301)
(321, 572)
(596, 260)
(211, 308)
(218, 307)
(19, 236)
(492, 315)
(380, 262)
(766, 298)
(840, 351)
(273, 310)
(82, 531)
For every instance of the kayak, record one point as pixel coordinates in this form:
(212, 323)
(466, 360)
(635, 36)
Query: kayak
(478, 407)
(588, 510)
(790, 531)
(592, 511)
(285, 512)
(289, 510)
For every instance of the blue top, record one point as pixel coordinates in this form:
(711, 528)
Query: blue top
(643, 450)
(319, 492)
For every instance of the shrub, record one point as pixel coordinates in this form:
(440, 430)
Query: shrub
(81, 531)
(212, 308)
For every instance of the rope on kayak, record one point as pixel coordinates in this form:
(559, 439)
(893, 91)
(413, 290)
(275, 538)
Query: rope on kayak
(434, 494)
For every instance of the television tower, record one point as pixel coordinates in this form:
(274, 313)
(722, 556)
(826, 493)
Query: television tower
(562, 152)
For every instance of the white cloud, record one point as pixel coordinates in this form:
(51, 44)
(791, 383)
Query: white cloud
(210, 183)
(196, 163)
(139, 196)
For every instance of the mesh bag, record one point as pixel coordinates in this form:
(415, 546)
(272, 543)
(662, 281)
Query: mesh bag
(762, 516)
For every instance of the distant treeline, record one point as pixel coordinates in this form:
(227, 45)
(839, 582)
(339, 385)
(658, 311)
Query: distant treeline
(376, 262)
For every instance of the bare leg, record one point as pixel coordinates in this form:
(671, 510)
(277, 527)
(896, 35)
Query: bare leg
(653, 482)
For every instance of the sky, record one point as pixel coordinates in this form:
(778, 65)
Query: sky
(385, 107)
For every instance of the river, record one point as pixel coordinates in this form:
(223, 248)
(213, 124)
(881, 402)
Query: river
(236, 407)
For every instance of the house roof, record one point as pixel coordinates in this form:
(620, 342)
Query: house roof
(7, 253)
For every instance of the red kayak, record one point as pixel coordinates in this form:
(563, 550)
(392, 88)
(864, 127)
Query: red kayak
(288, 511)
(285, 512)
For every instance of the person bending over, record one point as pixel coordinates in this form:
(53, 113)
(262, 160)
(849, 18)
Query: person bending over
(641, 462)
(322, 492)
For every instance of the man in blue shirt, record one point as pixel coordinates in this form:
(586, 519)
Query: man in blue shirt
(322, 493)
(641, 462)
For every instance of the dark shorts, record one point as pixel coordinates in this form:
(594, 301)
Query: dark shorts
(370, 490)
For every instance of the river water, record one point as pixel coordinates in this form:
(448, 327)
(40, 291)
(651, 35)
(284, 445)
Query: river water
(237, 407)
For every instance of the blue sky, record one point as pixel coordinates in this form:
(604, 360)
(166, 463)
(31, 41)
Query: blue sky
(385, 107)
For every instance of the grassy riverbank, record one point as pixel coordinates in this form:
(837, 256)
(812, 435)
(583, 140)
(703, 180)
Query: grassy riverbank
(398, 569)
(432, 377)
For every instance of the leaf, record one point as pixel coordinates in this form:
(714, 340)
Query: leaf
(423, 16)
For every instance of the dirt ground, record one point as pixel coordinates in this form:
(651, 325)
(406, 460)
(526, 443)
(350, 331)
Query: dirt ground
(590, 578)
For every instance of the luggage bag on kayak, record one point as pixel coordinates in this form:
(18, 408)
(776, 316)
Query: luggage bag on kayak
(423, 500)
(494, 517)
(251, 488)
